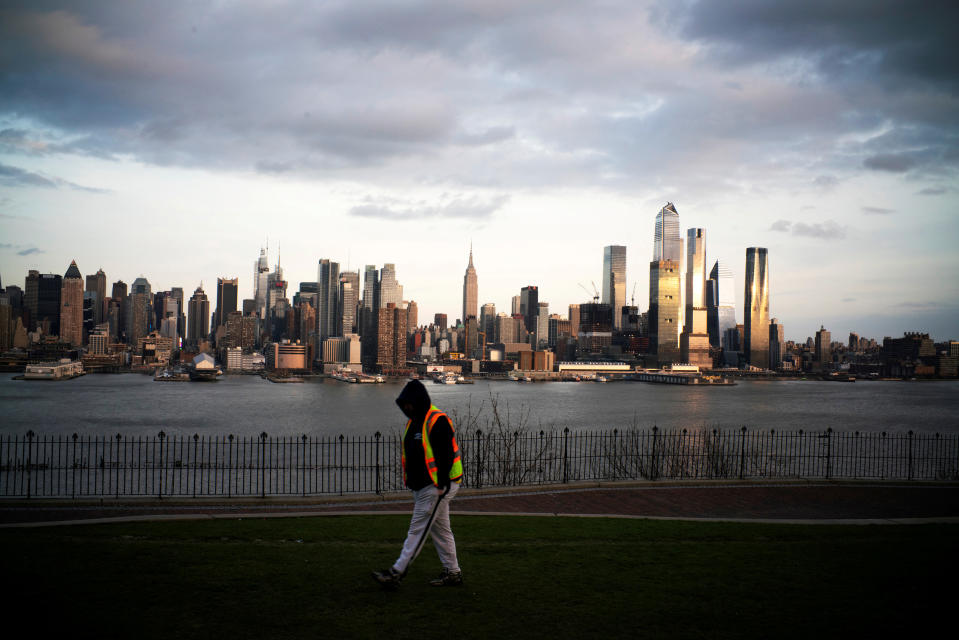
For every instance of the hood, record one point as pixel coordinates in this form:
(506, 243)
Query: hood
(415, 394)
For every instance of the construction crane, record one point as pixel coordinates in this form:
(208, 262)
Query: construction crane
(595, 293)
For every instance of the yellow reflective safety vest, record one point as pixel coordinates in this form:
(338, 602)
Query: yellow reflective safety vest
(456, 471)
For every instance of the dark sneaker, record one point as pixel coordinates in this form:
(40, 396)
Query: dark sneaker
(389, 578)
(448, 579)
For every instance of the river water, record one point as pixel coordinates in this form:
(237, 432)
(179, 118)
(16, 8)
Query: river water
(135, 405)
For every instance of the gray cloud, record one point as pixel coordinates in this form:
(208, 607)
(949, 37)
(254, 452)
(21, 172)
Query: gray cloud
(486, 93)
(30, 251)
(458, 206)
(826, 182)
(877, 210)
(16, 177)
(895, 163)
(932, 191)
(828, 230)
(848, 299)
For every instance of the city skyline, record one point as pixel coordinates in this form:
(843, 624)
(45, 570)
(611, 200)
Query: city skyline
(403, 132)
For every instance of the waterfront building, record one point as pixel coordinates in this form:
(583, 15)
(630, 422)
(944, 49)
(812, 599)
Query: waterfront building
(756, 308)
(139, 310)
(7, 322)
(694, 341)
(391, 337)
(99, 341)
(288, 356)
(90, 305)
(668, 245)
(71, 306)
(241, 330)
(721, 303)
(574, 320)
(823, 352)
(327, 279)
(614, 281)
(542, 326)
(227, 295)
(198, 316)
(49, 290)
(664, 314)
(470, 293)
(777, 344)
(306, 321)
(508, 328)
(595, 331)
(529, 306)
(31, 298)
(97, 283)
(854, 344)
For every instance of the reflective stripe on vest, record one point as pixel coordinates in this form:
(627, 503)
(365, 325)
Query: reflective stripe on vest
(456, 471)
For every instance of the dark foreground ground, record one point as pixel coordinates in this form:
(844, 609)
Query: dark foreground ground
(781, 502)
(233, 570)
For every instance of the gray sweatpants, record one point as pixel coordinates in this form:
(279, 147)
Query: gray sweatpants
(424, 501)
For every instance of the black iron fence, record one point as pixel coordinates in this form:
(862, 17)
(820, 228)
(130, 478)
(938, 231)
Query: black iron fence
(84, 466)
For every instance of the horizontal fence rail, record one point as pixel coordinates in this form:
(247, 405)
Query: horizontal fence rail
(33, 466)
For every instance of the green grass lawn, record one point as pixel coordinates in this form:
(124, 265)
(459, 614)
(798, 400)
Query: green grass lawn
(525, 577)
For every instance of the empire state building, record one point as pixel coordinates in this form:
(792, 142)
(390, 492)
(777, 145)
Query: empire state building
(470, 296)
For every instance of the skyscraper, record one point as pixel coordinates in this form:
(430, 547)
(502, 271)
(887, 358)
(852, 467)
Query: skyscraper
(667, 243)
(664, 306)
(348, 302)
(198, 316)
(49, 289)
(756, 308)
(694, 341)
(71, 306)
(777, 342)
(97, 284)
(327, 310)
(227, 294)
(261, 274)
(139, 310)
(614, 281)
(823, 353)
(31, 298)
(529, 306)
(390, 290)
(470, 294)
(488, 320)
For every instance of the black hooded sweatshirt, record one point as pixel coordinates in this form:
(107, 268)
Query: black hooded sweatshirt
(441, 439)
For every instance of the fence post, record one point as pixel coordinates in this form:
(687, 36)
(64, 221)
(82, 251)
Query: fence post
(229, 465)
(565, 455)
(828, 452)
(161, 435)
(615, 451)
(196, 438)
(742, 453)
(30, 435)
(478, 445)
(910, 455)
(263, 438)
(340, 463)
(303, 465)
(377, 436)
(117, 484)
(73, 483)
(653, 462)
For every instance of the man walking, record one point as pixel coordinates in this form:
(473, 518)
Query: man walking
(432, 469)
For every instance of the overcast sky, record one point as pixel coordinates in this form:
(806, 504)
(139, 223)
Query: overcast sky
(171, 139)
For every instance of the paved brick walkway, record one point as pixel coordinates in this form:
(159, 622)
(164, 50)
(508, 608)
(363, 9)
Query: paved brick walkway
(817, 502)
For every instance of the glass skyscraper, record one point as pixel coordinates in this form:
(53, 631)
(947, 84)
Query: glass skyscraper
(667, 243)
(756, 322)
(614, 281)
